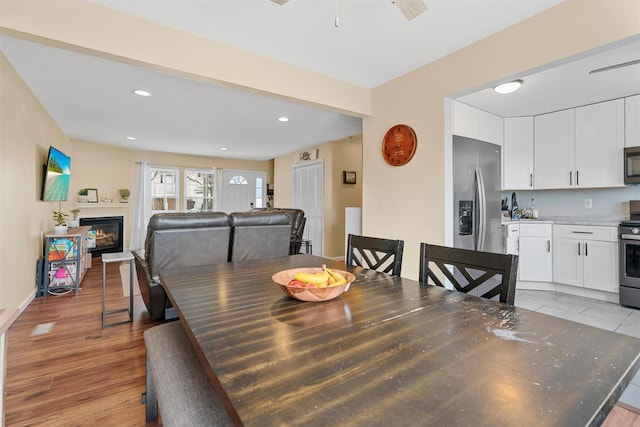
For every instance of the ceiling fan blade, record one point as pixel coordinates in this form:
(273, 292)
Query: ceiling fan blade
(280, 2)
(409, 8)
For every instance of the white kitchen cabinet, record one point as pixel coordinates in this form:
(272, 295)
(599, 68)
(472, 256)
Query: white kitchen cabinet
(477, 124)
(517, 154)
(554, 155)
(599, 144)
(586, 256)
(536, 261)
(580, 147)
(632, 121)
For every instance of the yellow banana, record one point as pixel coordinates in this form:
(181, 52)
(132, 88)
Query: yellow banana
(335, 278)
(315, 278)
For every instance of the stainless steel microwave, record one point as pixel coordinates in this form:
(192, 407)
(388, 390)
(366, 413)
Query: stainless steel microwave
(632, 165)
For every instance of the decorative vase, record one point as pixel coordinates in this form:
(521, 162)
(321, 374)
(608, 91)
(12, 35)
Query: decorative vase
(74, 223)
(60, 229)
(83, 199)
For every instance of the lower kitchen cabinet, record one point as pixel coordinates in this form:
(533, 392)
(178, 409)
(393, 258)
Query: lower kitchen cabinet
(535, 263)
(586, 256)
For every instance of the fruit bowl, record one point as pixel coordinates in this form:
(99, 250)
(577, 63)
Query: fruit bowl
(313, 294)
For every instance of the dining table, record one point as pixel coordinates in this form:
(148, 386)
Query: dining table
(391, 351)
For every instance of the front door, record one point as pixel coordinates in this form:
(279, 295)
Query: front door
(242, 190)
(308, 195)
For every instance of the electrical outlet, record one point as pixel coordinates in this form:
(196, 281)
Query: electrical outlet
(588, 203)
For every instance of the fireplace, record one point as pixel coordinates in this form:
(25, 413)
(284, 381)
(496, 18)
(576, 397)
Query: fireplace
(108, 234)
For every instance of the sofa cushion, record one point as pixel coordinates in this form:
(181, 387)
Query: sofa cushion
(259, 234)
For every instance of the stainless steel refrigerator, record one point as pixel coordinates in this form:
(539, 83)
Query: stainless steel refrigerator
(476, 195)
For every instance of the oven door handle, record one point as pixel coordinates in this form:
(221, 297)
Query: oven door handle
(629, 237)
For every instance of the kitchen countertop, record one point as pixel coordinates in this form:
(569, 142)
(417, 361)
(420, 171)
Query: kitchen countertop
(596, 220)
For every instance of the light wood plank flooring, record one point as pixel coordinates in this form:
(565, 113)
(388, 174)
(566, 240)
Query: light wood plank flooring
(80, 374)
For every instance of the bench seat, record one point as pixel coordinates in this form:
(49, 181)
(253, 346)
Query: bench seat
(177, 384)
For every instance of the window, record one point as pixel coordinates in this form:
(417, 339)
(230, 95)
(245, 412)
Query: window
(164, 189)
(259, 193)
(199, 190)
(238, 180)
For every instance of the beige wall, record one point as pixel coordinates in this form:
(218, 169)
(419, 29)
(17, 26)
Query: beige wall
(344, 154)
(408, 202)
(109, 168)
(26, 131)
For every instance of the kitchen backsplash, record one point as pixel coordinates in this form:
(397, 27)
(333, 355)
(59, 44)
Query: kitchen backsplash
(607, 202)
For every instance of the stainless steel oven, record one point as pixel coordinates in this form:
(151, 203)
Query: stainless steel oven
(632, 165)
(629, 232)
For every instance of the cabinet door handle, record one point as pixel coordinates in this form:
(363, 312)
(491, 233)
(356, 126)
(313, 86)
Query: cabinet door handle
(586, 249)
(577, 177)
(578, 248)
(548, 245)
(531, 180)
(570, 177)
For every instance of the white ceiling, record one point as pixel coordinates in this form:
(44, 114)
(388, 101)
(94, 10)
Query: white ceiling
(90, 98)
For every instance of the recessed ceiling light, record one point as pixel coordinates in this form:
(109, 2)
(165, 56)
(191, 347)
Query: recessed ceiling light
(223, 148)
(131, 138)
(283, 119)
(508, 87)
(141, 92)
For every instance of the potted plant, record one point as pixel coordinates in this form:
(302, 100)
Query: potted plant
(60, 219)
(83, 195)
(124, 195)
(74, 221)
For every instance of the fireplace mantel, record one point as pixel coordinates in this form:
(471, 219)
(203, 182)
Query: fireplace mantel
(102, 205)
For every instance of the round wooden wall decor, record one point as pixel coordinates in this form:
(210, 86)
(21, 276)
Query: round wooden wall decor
(399, 145)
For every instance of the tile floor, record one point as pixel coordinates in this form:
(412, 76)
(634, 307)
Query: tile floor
(605, 315)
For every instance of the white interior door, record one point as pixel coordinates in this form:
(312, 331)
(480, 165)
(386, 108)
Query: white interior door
(239, 190)
(308, 195)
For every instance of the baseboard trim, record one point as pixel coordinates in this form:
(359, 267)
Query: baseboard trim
(22, 307)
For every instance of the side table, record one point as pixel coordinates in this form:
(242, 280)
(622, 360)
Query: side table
(116, 257)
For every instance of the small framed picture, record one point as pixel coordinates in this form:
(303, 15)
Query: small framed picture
(92, 193)
(348, 177)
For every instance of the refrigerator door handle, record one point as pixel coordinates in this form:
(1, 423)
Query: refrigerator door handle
(482, 210)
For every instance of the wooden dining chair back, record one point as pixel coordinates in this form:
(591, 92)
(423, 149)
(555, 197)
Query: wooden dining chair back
(493, 275)
(383, 255)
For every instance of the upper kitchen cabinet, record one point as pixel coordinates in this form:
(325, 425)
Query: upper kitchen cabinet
(554, 157)
(600, 144)
(477, 124)
(517, 154)
(580, 147)
(632, 121)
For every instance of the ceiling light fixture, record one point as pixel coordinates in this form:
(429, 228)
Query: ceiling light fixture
(508, 87)
(223, 148)
(283, 119)
(131, 138)
(141, 92)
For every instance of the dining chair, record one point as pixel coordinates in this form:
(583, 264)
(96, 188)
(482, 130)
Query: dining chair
(469, 270)
(383, 255)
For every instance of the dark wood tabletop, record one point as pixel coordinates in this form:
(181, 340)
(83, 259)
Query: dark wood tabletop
(392, 352)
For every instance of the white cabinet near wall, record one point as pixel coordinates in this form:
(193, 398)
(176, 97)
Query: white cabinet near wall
(586, 256)
(517, 154)
(535, 248)
(599, 144)
(554, 160)
(632, 121)
(477, 124)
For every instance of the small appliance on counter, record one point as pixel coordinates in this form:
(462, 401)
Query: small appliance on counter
(629, 233)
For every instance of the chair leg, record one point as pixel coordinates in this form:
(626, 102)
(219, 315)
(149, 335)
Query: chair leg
(151, 400)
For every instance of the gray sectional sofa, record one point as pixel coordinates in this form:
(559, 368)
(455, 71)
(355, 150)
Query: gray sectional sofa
(191, 239)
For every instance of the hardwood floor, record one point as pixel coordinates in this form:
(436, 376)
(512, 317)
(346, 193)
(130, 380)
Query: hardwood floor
(80, 374)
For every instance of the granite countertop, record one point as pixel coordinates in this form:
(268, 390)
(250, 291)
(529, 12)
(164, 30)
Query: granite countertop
(611, 220)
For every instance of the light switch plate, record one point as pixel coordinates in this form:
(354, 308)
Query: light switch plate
(588, 203)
